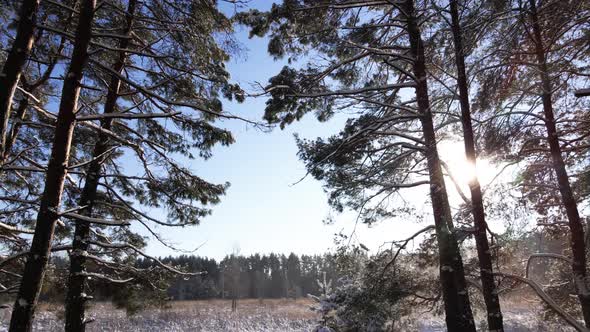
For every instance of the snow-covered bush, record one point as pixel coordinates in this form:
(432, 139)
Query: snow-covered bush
(365, 299)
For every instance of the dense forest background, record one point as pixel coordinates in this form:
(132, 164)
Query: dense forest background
(235, 276)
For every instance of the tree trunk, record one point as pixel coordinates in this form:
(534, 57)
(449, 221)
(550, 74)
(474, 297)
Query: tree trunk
(28, 294)
(15, 62)
(12, 135)
(76, 294)
(459, 316)
(486, 270)
(567, 195)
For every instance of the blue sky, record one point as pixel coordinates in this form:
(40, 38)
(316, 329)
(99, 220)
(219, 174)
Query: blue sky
(263, 211)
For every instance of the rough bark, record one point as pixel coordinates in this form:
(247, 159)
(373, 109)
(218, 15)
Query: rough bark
(486, 271)
(36, 264)
(76, 294)
(568, 200)
(15, 63)
(459, 316)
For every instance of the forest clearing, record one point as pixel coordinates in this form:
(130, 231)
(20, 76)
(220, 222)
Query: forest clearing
(268, 315)
(295, 165)
(206, 315)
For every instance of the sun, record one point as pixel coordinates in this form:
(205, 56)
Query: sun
(453, 154)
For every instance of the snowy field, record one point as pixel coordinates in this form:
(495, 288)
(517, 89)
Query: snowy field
(206, 316)
(251, 316)
(522, 313)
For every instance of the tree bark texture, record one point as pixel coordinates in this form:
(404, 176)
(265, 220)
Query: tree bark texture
(567, 196)
(15, 63)
(489, 288)
(76, 293)
(36, 264)
(459, 316)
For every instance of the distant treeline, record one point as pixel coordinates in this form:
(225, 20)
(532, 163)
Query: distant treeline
(235, 276)
(254, 276)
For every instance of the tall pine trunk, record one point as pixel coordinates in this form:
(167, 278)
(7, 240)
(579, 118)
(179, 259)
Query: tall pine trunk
(76, 294)
(486, 269)
(31, 282)
(567, 196)
(459, 316)
(15, 63)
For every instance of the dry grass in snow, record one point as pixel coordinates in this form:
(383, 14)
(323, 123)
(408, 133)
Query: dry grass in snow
(261, 316)
(206, 316)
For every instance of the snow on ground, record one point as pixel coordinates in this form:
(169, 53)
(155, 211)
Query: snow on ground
(205, 316)
(252, 316)
(516, 319)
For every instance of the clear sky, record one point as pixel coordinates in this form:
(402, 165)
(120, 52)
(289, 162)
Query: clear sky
(263, 211)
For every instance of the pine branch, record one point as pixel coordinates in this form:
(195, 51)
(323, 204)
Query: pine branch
(127, 116)
(97, 221)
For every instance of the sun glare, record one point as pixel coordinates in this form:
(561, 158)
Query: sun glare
(453, 154)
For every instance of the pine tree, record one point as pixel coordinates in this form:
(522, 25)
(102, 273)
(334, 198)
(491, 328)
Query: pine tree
(490, 291)
(373, 57)
(163, 106)
(15, 63)
(30, 286)
(526, 83)
(186, 88)
(576, 227)
(25, 142)
(76, 296)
